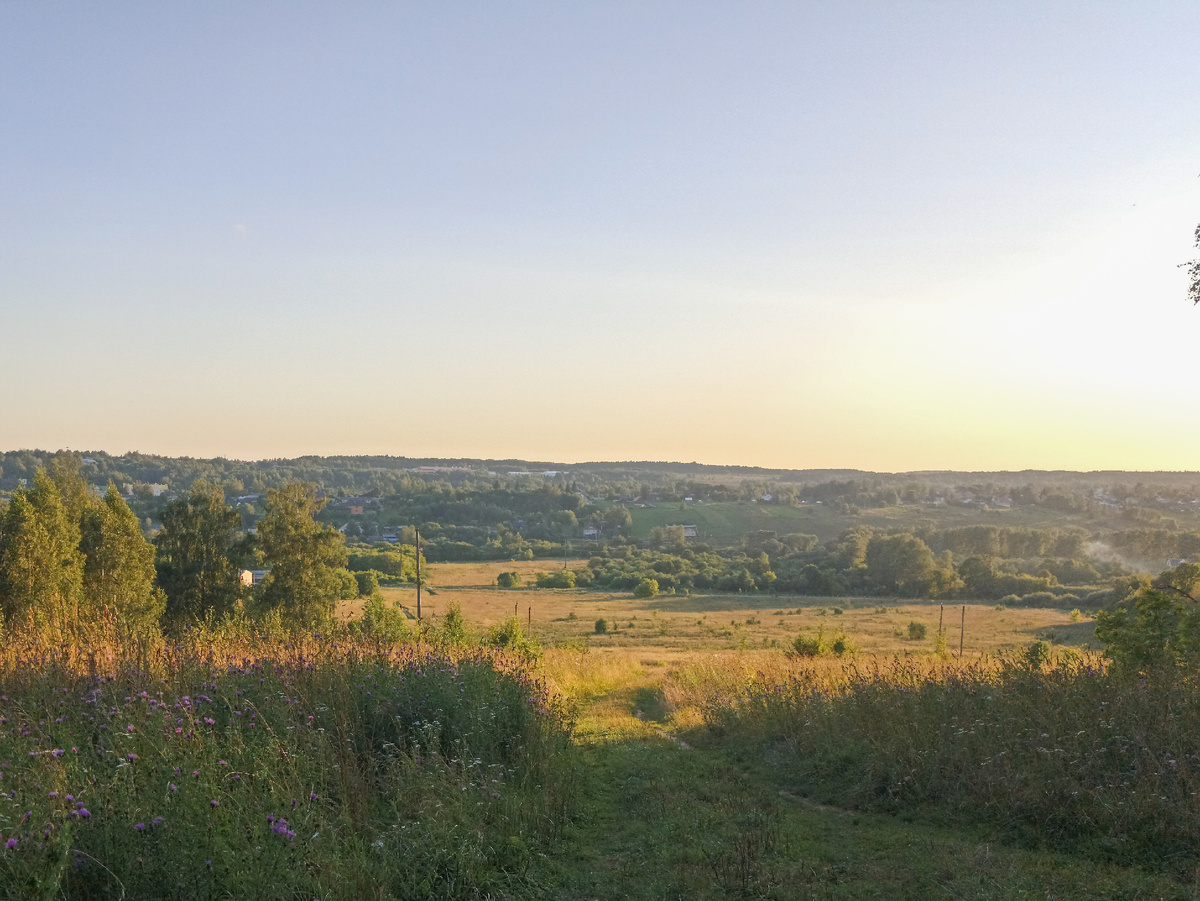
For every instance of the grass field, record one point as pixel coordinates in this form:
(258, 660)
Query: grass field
(723, 621)
(682, 754)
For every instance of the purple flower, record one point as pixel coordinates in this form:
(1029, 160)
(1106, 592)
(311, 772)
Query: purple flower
(132, 756)
(158, 821)
(215, 803)
(53, 794)
(172, 786)
(10, 844)
(140, 827)
(58, 752)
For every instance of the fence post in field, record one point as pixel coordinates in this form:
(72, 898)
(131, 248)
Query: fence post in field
(417, 548)
(529, 621)
(961, 629)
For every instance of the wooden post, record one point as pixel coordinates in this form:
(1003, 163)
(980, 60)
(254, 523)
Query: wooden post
(417, 547)
(529, 621)
(962, 628)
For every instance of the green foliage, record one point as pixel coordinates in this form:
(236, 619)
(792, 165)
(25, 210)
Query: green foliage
(1062, 755)
(563, 578)
(509, 636)
(813, 645)
(601, 626)
(1037, 654)
(118, 569)
(397, 564)
(452, 628)
(385, 620)
(306, 558)
(342, 772)
(916, 631)
(900, 565)
(647, 588)
(508, 580)
(1159, 629)
(198, 556)
(366, 583)
(41, 567)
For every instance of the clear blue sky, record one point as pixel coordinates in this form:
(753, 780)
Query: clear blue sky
(880, 235)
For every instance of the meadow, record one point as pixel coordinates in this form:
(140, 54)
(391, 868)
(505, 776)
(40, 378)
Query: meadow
(235, 765)
(687, 751)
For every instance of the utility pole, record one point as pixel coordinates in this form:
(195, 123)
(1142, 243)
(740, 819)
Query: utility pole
(417, 547)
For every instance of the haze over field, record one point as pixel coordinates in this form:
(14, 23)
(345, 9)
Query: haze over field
(875, 235)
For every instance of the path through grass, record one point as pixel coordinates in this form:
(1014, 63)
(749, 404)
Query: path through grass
(663, 815)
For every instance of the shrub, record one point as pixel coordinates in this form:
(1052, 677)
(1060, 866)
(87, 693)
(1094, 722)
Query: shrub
(508, 580)
(383, 620)
(511, 637)
(647, 588)
(601, 626)
(916, 631)
(563, 578)
(368, 583)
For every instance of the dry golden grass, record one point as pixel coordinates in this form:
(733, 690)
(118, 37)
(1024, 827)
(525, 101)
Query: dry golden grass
(670, 625)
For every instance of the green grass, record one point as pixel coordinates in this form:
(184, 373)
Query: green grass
(275, 769)
(657, 819)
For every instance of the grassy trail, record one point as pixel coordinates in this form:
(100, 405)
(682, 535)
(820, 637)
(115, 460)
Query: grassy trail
(665, 819)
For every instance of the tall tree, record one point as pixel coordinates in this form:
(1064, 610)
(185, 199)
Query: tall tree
(198, 555)
(1193, 270)
(305, 557)
(41, 568)
(65, 472)
(118, 569)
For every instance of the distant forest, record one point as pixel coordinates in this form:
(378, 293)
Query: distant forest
(1031, 538)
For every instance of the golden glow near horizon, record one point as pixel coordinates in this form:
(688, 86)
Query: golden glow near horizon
(613, 236)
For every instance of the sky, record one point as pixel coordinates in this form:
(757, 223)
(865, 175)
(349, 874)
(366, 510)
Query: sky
(888, 236)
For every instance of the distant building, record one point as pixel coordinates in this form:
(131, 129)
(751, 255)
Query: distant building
(356, 509)
(591, 532)
(251, 577)
(690, 532)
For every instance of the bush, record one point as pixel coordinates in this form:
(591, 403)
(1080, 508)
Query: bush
(511, 637)
(384, 620)
(917, 631)
(647, 588)
(563, 578)
(601, 626)
(508, 580)
(368, 583)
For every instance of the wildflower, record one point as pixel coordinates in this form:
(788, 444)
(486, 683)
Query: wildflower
(215, 803)
(58, 752)
(10, 844)
(172, 786)
(140, 827)
(53, 794)
(222, 763)
(158, 821)
(132, 756)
